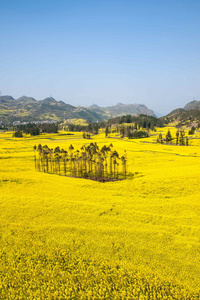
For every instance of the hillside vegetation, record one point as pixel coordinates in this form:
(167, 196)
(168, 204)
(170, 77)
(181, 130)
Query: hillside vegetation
(187, 116)
(27, 109)
(73, 238)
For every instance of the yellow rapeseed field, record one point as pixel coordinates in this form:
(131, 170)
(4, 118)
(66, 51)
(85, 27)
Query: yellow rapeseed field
(71, 238)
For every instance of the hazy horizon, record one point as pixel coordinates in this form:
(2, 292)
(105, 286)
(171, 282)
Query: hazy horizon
(90, 52)
(99, 105)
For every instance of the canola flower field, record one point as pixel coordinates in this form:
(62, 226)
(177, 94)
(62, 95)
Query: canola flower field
(73, 238)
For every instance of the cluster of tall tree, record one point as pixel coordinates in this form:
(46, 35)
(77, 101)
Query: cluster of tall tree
(89, 162)
(36, 129)
(180, 138)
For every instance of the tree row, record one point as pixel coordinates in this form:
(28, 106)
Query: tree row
(180, 138)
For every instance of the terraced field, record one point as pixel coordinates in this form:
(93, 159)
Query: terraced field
(70, 238)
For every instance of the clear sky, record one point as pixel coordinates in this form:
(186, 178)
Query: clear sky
(101, 51)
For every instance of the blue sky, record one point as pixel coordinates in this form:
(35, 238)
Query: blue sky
(103, 52)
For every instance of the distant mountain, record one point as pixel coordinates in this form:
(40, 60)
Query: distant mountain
(189, 115)
(123, 109)
(94, 106)
(192, 105)
(49, 100)
(26, 99)
(4, 99)
(29, 109)
(157, 114)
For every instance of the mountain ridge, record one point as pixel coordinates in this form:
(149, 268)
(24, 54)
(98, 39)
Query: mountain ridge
(189, 113)
(29, 109)
(195, 104)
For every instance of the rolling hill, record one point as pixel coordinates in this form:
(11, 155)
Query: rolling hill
(29, 109)
(189, 115)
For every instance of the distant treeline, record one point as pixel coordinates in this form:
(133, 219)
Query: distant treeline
(116, 125)
(91, 162)
(141, 121)
(91, 127)
(36, 129)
